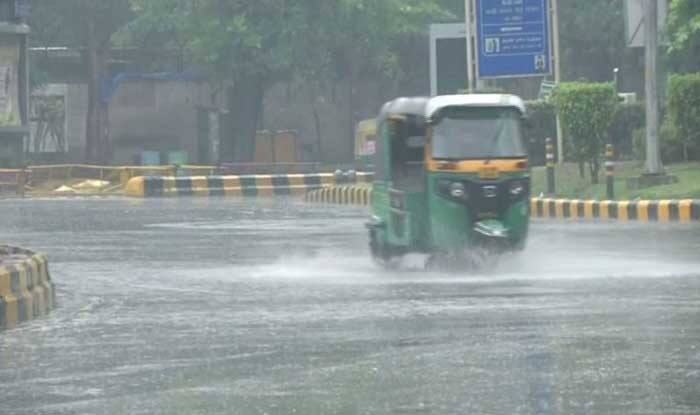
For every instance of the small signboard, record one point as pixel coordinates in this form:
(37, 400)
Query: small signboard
(513, 38)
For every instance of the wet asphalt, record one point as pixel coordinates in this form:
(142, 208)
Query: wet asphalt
(223, 306)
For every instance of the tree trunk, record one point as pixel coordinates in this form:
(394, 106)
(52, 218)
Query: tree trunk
(245, 100)
(350, 138)
(582, 169)
(97, 131)
(595, 170)
(317, 123)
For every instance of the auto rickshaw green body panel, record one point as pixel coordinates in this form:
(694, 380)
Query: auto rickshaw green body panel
(424, 203)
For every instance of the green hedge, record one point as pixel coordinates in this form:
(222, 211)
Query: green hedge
(542, 123)
(586, 111)
(683, 113)
(628, 118)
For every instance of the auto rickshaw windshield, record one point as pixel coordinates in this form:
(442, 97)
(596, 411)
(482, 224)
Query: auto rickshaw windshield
(469, 133)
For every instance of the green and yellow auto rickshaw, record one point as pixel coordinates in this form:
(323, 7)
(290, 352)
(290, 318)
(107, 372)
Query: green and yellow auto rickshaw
(451, 177)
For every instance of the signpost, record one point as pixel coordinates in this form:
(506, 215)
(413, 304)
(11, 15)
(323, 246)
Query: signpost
(508, 39)
(513, 38)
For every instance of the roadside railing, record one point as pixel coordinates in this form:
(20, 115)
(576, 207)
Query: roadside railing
(18, 181)
(13, 181)
(238, 169)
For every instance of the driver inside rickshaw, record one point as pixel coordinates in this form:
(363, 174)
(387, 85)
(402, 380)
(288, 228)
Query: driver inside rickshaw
(477, 133)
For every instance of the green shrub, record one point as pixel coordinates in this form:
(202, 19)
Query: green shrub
(683, 112)
(542, 123)
(627, 119)
(671, 146)
(586, 111)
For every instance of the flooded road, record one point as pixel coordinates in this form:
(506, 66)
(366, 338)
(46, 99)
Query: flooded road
(220, 306)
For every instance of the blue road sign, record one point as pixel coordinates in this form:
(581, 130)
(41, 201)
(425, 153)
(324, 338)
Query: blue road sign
(513, 38)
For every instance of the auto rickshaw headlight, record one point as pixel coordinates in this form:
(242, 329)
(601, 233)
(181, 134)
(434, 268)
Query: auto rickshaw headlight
(517, 188)
(457, 190)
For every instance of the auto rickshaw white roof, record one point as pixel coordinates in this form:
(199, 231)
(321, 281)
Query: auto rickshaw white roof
(473, 100)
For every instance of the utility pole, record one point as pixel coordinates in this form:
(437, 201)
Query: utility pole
(557, 75)
(470, 51)
(653, 163)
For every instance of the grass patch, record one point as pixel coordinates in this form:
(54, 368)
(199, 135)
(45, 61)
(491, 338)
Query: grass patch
(569, 184)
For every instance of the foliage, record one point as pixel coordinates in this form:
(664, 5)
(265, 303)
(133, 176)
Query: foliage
(627, 119)
(541, 124)
(8, 119)
(684, 110)
(683, 27)
(64, 23)
(260, 42)
(570, 186)
(279, 37)
(586, 111)
(592, 38)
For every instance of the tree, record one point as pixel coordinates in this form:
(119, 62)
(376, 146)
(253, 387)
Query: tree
(592, 38)
(683, 28)
(87, 25)
(253, 44)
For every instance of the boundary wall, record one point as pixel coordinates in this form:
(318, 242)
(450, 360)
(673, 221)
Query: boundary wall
(26, 289)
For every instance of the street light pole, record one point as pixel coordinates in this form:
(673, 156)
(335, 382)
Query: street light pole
(653, 164)
(470, 52)
(557, 75)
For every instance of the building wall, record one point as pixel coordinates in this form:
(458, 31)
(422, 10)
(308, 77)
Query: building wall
(144, 116)
(10, 114)
(339, 107)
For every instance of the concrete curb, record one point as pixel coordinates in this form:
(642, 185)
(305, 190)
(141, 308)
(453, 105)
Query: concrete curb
(683, 211)
(341, 195)
(26, 290)
(637, 210)
(239, 186)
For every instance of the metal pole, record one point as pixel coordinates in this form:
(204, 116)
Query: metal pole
(557, 75)
(610, 171)
(653, 164)
(470, 52)
(549, 148)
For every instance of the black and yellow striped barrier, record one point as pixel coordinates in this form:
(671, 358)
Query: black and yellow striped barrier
(341, 195)
(637, 210)
(247, 186)
(26, 290)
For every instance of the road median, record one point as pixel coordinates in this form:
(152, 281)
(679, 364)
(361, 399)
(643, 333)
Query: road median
(682, 211)
(628, 210)
(240, 186)
(26, 289)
